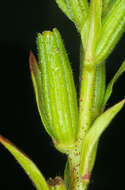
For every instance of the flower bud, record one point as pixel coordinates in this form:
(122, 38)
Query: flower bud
(113, 26)
(76, 11)
(55, 90)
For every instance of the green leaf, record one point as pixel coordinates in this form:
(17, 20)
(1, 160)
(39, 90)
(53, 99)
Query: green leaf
(29, 167)
(99, 90)
(106, 6)
(93, 157)
(67, 175)
(93, 135)
(113, 26)
(112, 82)
(84, 33)
(76, 10)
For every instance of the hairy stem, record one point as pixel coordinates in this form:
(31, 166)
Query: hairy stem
(86, 97)
(77, 181)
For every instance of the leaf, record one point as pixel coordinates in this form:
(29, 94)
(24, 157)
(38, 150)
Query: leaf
(93, 157)
(67, 175)
(112, 82)
(29, 167)
(93, 135)
(99, 90)
(106, 6)
(84, 33)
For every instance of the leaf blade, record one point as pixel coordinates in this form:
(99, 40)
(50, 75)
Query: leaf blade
(93, 135)
(106, 5)
(99, 90)
(67, 175)
(112, 82)
(29, 167)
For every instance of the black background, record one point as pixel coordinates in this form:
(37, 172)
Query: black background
(20, 21)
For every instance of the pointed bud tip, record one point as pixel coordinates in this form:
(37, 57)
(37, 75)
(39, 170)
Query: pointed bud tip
(31, 60)
(3, 139)
(33, 63)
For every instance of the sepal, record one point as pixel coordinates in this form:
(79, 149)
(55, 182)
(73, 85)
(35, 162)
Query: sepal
(37, 84)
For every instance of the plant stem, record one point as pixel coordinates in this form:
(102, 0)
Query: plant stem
(78, 181)
(86, 96)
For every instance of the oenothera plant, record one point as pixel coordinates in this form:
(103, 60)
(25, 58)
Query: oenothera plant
(75, 126)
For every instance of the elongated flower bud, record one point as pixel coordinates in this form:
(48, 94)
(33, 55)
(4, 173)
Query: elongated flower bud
(55, 89)
(113, 26)
(76, 11)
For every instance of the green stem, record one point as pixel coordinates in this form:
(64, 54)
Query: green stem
(74, 161)
(86, 97)
(89, 68)
(77, 181)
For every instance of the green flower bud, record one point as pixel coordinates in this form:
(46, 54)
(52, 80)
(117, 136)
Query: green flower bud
(113, 26)
(76, 11)
(55, 90)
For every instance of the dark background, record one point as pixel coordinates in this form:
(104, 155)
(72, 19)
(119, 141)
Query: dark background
(20, 21)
